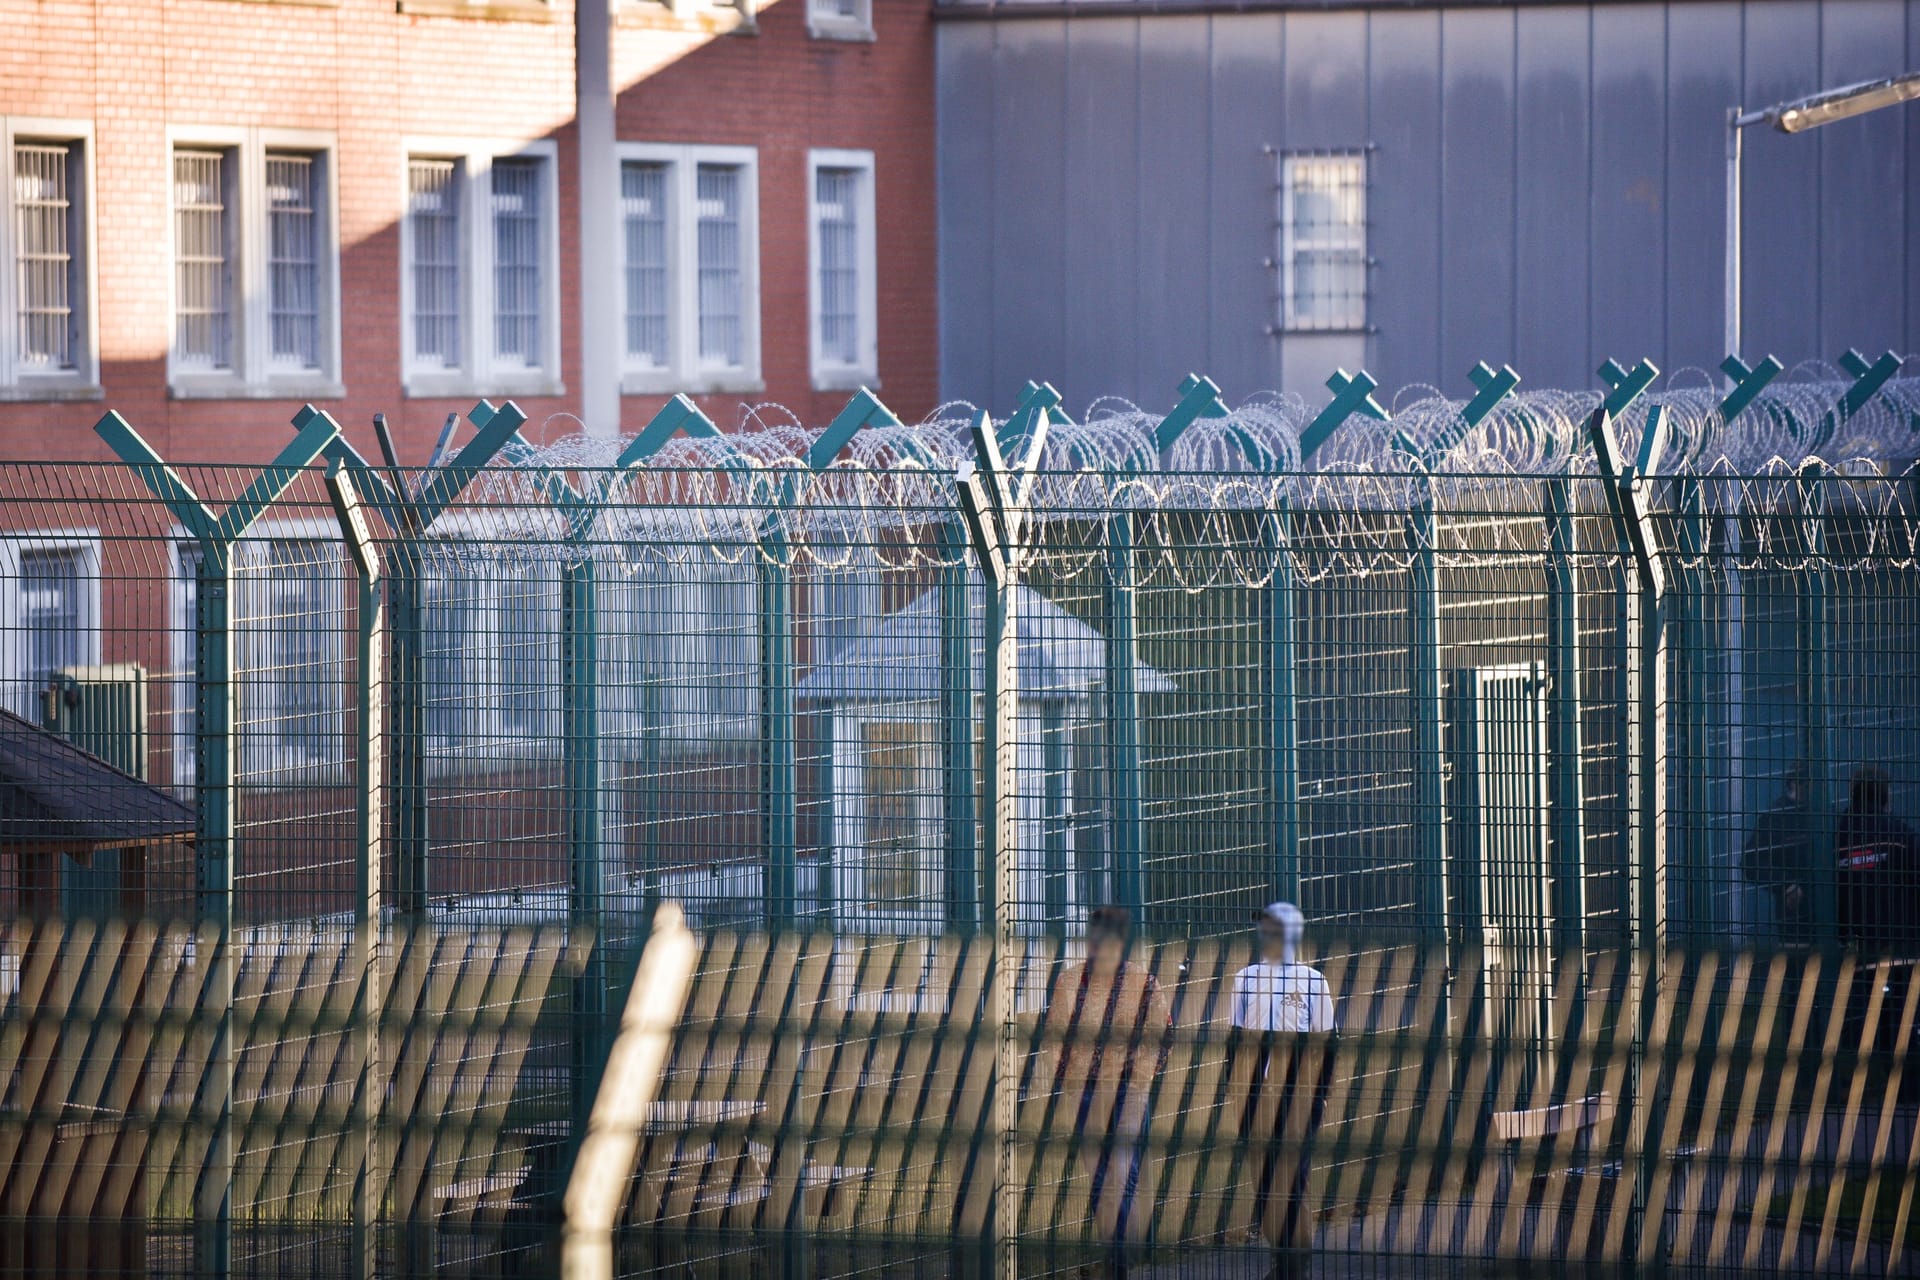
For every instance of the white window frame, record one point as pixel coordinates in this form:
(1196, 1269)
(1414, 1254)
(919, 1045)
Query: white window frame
(684, 370)
(712, 15)
(254, 375)
(865, 371)
(20, 697)
(689, 622)
(487, 737)
(480, 373)
(834, 26)
(82, 382)
(1292, 319)
(266, 760)
(183, 639)
(848, 753)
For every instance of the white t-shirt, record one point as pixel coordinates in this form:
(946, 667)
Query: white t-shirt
(1282, 997)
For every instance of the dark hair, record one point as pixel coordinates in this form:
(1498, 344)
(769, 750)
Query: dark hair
(1109, 922)
(1870, 790)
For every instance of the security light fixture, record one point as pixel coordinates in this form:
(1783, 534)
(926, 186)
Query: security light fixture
(1830, 105)
(1796, 115)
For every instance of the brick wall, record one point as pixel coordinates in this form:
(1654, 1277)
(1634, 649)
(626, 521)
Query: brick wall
(372, 76)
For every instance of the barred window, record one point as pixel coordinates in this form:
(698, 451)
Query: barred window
(834, 204)
(842, 244)
(433, 218)
(293, 260)
(516, 262)
(187, 558)
(900, 771)
(477, 252)
(50, 612)
(1323, 241)
(840, 19)
(254, 266)
(492, 654)
(718, 211)
(291, 670)
(47, 258)
(203, 261)
(690, 268)
(304, 611)
(643, 207)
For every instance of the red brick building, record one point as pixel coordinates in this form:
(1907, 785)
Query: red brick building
(216, 210)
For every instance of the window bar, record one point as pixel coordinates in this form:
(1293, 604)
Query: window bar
(644, 205)
(293, 261)
(957, 747)
(517, 219)
(203, 274)
(433, 217)
(44, 255)
(718, 265)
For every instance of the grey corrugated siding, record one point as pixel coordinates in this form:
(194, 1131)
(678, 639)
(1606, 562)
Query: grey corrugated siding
(1546, 190)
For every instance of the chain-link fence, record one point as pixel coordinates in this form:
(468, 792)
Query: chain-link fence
(1580, 729)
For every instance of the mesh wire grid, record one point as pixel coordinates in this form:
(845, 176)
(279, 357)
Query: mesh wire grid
(1402, 698)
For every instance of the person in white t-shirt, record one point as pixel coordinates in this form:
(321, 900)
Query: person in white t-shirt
(1277, 992)
(1276, 1001)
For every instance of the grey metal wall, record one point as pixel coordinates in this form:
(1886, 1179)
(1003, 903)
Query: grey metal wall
(1546, 190)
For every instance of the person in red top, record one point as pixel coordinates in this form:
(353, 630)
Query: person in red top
(1877, 876)
(1102, 1044)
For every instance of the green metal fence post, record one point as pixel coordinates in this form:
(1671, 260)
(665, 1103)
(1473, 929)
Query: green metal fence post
(215, 811)
(1724, 543)
(1352, 394)
(992, 499)
(1699, 916)
(1647, 623)
(585, 778)
(1566, 764)
(410, 517)
(369, 711)
(1814, 670)
(215, 777)
(1813, 617)
(957, 743)
(1280, 658)
(779, 714)
(1429, 695)
(1127, 827)
(1199, 398)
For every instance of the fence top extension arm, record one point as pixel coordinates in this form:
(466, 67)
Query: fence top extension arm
(1747, 383)
(314, 432)
(1352, 393)
(1491, 387)
(993, 494)
(409, 514)
(1867, 381)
